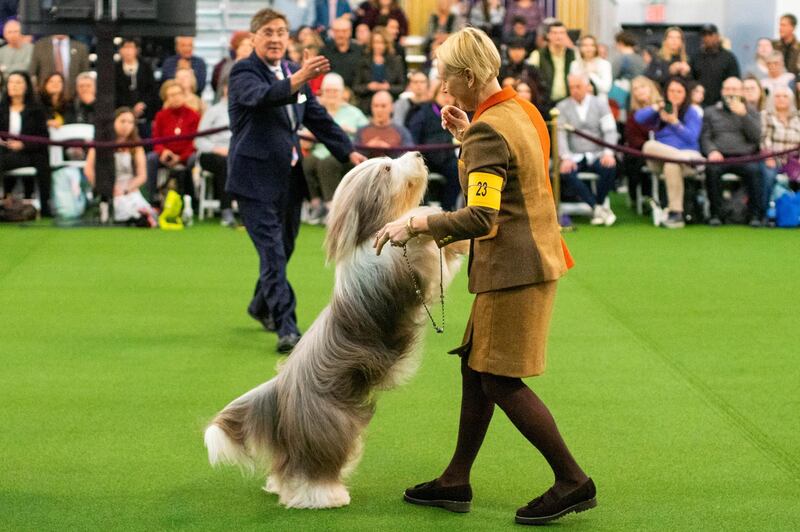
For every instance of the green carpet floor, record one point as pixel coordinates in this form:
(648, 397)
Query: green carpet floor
(673, 372)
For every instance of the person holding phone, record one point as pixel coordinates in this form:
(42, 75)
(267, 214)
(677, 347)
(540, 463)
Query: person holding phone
(730, 129)
(677, 128)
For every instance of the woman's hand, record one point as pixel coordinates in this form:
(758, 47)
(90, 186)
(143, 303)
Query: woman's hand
(771, 163)
(14, 145)
(398, 232)
(455, 121)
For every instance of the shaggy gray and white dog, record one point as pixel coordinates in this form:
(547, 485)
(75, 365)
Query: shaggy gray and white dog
(305, 426)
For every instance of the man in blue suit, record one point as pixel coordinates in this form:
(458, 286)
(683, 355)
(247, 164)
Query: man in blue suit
(268, 100)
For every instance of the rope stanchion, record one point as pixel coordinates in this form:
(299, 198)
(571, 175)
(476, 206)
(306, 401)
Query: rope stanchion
(28, 139)
(742, 159)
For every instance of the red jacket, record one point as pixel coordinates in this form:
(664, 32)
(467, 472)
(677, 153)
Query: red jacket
(180, 121)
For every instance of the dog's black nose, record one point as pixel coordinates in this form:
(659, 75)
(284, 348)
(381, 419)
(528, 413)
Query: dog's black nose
(418, 154)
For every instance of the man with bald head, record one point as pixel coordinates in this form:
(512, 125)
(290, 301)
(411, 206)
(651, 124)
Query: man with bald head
(16, 54)
(730, 129)
(342, 52)
(381, 133)
(184, 58)
(583, 110)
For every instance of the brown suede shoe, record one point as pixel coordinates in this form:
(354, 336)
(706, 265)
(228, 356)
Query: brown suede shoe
(454, 498)
(549, 506)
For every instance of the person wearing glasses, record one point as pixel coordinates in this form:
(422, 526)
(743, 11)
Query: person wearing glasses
(268, 100)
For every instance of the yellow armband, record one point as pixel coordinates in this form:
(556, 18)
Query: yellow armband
(484, 190)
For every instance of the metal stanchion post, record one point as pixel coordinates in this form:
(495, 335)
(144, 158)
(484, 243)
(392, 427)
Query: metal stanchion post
(555, 170)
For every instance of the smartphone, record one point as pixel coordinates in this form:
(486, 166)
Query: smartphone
(668, 107)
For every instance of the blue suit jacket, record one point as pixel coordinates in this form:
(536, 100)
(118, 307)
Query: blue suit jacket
(260, 156)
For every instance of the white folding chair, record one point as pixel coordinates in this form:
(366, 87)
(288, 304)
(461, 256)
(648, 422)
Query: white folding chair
(64, 133)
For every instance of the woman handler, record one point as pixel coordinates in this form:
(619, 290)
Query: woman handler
(517, 257)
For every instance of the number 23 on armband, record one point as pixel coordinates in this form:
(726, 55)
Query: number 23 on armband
(484, 190)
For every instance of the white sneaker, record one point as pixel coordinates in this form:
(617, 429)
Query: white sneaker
(609, 217)
(598, 216)
(188, 213)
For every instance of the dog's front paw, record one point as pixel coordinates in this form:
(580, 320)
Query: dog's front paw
(272, 485)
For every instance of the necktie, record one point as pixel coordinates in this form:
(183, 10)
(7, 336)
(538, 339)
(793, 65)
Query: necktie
(59, 59)
(278, 71)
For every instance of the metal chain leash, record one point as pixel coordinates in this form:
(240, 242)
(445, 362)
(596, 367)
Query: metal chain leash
(418, 291)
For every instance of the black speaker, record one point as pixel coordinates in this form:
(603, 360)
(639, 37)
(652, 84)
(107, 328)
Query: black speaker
(140, 18)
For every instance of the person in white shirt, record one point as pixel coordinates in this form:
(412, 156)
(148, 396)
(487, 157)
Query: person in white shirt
(589, 62)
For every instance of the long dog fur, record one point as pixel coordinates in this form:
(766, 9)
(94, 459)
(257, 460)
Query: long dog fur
(305, 425)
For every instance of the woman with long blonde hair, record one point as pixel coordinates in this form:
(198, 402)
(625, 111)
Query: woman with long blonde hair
(673, 51)
(644, 93)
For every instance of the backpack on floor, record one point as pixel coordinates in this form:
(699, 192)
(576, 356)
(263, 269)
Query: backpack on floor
(15, 210)
(69, 197)
(787, 210)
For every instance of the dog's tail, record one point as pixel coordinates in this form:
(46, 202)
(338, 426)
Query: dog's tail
(242, 434)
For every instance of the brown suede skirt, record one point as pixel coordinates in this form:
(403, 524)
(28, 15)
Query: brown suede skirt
(507, 330)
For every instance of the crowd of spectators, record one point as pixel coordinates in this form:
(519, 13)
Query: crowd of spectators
(657, 98)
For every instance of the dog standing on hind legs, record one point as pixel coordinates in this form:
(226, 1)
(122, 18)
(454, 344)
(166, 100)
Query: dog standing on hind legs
(305, 426)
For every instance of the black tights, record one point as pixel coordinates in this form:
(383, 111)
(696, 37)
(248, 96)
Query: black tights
(480, 392)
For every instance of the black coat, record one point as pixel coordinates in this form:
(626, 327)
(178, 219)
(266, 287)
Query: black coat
(34, 123)
(395, 75)
(144, 89)
(711, 68)
(426, 128)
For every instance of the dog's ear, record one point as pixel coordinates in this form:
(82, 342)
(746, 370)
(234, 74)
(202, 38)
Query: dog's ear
(359, 208)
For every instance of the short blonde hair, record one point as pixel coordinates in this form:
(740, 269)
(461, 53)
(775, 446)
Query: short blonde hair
(470, 49)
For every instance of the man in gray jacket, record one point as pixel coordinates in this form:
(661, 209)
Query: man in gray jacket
(731, 129)
(584, 111)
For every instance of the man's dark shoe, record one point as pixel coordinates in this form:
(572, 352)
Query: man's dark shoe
(268, 323)
(454, 498)
(549, 506)
(714, 222)
(286, 343)
(756, 223)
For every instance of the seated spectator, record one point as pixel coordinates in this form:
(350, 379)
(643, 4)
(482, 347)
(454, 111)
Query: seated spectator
(376, 13)
(554, 62)
(787, 43)
(72, 59)
(324, 171)
(342, 51)
(363, 35)
(298, 12)
(443, 20)
(763, 50)
(17, 52)
(81, 109)
(184, 58)
(186, 80)
(53, 95)
(594, 67)
(241, 46)
(135, 87)
(753, 93)
(673, 52)
(324, 16)
(731, 129)
(487, 15)
(379, 70)
(644, 93)
(520, 36)
(213, 152)
(174, 119)
(780, 130)
(306, 35)
(516, 67)
(393, 30)
(697, 95)
(713, 64)
(130, 173)
(20, 115)
(677, 136)
(426, 128)
(528, 10)
(627, 64)
(776, 74)
(589, 113)
(381, 133)
(417, 94)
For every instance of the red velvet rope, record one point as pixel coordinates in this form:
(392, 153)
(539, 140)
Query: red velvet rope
(28, 139)
(742, 159)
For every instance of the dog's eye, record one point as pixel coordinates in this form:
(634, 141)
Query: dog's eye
(387, 168)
